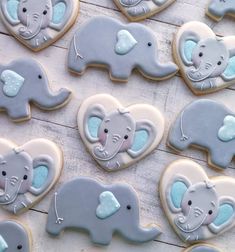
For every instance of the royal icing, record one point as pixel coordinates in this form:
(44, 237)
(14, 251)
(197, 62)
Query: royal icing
(27, 173)
(204, 209)
(207, 62)
(208, 125)
(117, 136)
(37, 24)
(99, 209)
(24, 81)
(202, 248)
(119, 47)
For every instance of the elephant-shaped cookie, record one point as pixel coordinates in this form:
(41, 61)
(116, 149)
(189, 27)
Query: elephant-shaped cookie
(14, 237)
(24, 81)
(202, 248)
(207, 62)
(102, 210)
(116, 136)
(37, 24)
(136, 10)
(104, 41)
(27, 173)
(217, 9)
(208, 125)
(198, 207)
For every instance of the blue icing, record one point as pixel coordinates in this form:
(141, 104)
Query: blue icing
(177, 192)
(12, 7)
(108, 206)
(93, 126)
(227, 131)
(188, 49)
(3, 244)
(58, 13)
(230, 70)
(40, 175)
(125, 42)
(140, 139)
(226, 211)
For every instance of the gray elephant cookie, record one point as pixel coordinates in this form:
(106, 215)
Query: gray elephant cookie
(208, 125)
(117, 136)
(136, 10)
(198, 207)
(27, 173)
(37, 24)
(207, 62)
(14, 237)
(202, 248)
(217, 9)
(101, 210)
(24, 81)
(118, 47)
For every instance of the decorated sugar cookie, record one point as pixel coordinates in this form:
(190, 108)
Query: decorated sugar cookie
(202, 248)
(217, 9)
(102, 210)
(38, 23)
(24, 81)
(117, 136)
(27, 172)
(104, 41)
(208, 125)
(206, 62)
(136, 10)
(14, 237)
(198, 207)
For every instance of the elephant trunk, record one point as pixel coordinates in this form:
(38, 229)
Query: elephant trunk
(217, 11)
(201, 73)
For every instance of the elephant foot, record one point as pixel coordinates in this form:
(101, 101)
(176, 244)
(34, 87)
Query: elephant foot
(139, 10)
(119, 74)
(19, 113)
(102, 238)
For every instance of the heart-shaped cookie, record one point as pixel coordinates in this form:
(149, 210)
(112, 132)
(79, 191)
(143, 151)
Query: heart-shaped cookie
(207, 63)
(37, 24)
(198, 207)
(136, 10)
(125, 42)
(27, 172)
(117, 136)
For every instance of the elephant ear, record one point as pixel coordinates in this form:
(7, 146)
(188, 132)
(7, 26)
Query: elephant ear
(3, 244)
(10, 11)
(43, 174)
(187, 44)
(176, 191)
(225, 216)
(229, 73)
(145, 133)
(92, 120)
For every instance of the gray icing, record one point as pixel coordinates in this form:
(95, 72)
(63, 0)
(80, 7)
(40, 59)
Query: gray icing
(203, 124)
(205, 60)
(24, 81)
(13, 237)
(76, 205)
(88, 49)
(218, 9)
(21, 174)
(35, 19)
(115, 135)
(203, 248)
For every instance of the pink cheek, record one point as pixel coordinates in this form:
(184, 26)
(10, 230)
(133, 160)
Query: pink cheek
(126, 145)
(185, 207)
(102, 138)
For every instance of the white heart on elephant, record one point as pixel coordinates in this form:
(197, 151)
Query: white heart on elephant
(125, 42)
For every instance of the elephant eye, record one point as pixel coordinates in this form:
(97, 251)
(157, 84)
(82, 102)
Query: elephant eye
(44, 12)
(25, 177)
(128, 207)
(24, 10)
(149, 44)
(189, 202)
(210, 212)
(106, 131)
(39, 76)
(219, 63)
(126, 137)
(200, 54)
(19, 247)
(4, 173)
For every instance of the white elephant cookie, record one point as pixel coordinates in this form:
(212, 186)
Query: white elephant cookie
(207, 62)
(27, 173)
(118, 136)
(202, 248)
(38, 23)
(136, 10)
(198, 207)
(106, 42)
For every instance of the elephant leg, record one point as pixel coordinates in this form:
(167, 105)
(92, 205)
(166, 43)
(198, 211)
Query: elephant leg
(101, 237)
(139, 10)
(19, 112)
(119, 72)
(220, 158)
(159, 2)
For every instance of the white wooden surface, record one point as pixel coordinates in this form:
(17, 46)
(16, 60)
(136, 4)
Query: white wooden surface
(60, 126)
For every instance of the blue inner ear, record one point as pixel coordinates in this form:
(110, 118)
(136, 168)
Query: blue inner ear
(58, 13)
(188, 49)
(12, 8)
(3, 244)
(177, 193)
(140, 139)
(93, 126)
(230, 70)
(40, 174)
(226, 211)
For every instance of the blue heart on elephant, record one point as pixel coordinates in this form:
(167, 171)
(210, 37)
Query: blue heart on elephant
(12, 83)
(108, 206)
(227, 131)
